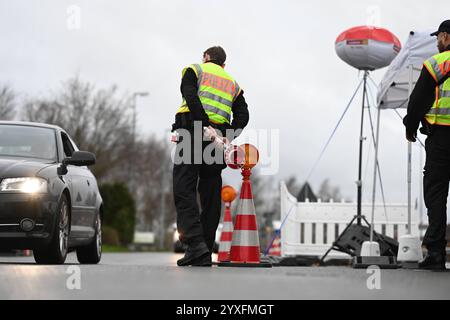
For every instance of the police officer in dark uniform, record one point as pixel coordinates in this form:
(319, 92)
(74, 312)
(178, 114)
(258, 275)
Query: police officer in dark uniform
(430, 104)
(211, 98)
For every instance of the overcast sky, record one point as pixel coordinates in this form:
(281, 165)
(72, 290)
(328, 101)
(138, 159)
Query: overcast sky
(281, 53)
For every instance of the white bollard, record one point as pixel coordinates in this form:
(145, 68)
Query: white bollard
(409, 249)
(370, 249)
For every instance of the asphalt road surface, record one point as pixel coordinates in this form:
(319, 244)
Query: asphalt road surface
(156, 276)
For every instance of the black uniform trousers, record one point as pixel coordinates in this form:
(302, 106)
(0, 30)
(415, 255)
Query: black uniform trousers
(195, 226)
(436, 185)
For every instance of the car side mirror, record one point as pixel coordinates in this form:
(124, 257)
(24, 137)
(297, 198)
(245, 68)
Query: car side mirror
(62, 170)
(80, 158)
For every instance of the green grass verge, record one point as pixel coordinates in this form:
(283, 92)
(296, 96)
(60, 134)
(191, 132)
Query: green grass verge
(111, 249)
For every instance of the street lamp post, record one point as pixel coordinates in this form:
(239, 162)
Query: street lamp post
(133, 147)
(135, 95)
(164, 190)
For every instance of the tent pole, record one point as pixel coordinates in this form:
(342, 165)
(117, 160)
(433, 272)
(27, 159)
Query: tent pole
(377, 138)
(361, 140)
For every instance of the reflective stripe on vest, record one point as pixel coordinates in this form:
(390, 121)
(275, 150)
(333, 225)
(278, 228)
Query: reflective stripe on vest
(211, 96)
(443, 111)
(444, 93)
(435, 68)
(439, 67)
(216, 90)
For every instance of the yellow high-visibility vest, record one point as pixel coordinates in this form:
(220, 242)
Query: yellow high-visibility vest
(439, 67)
(217, 91)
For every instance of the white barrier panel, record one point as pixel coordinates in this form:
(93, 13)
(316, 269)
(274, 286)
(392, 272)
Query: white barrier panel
(312, 227)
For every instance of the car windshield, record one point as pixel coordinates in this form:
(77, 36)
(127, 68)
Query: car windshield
(27, 142)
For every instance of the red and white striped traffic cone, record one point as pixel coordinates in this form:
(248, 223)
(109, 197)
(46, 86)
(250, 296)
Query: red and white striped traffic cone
(275, 249)
(228, 195)
(245, 249)
(245, 246)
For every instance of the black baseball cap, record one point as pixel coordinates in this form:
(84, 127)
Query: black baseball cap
(444, 27)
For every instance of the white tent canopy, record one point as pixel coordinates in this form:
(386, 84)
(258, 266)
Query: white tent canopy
(393, 91)
(396, 87)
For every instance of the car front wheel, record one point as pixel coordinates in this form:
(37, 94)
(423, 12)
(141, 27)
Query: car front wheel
(56, 251)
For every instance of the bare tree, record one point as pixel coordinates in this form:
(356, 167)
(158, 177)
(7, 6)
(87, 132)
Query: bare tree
(98, 120)
(154, 180)
(7, 103)
(328, 192)
(293, 185)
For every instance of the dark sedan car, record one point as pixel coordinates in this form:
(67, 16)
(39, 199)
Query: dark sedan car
(49, 199)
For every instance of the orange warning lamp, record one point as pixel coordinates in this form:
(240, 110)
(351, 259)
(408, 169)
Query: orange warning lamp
(228, 194)
(251, 155)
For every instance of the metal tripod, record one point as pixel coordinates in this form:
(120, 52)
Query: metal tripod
(359, 217)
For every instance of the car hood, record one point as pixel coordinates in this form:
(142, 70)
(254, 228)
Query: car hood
(15, 168)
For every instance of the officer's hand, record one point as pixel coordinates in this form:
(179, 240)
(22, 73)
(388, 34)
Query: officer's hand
(213, 133)
(411, 137)
(209, 133)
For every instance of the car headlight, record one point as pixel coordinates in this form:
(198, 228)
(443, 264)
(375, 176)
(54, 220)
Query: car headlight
(24, 185)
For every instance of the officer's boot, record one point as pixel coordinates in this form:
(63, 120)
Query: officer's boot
(196, 255)
(433, 261)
